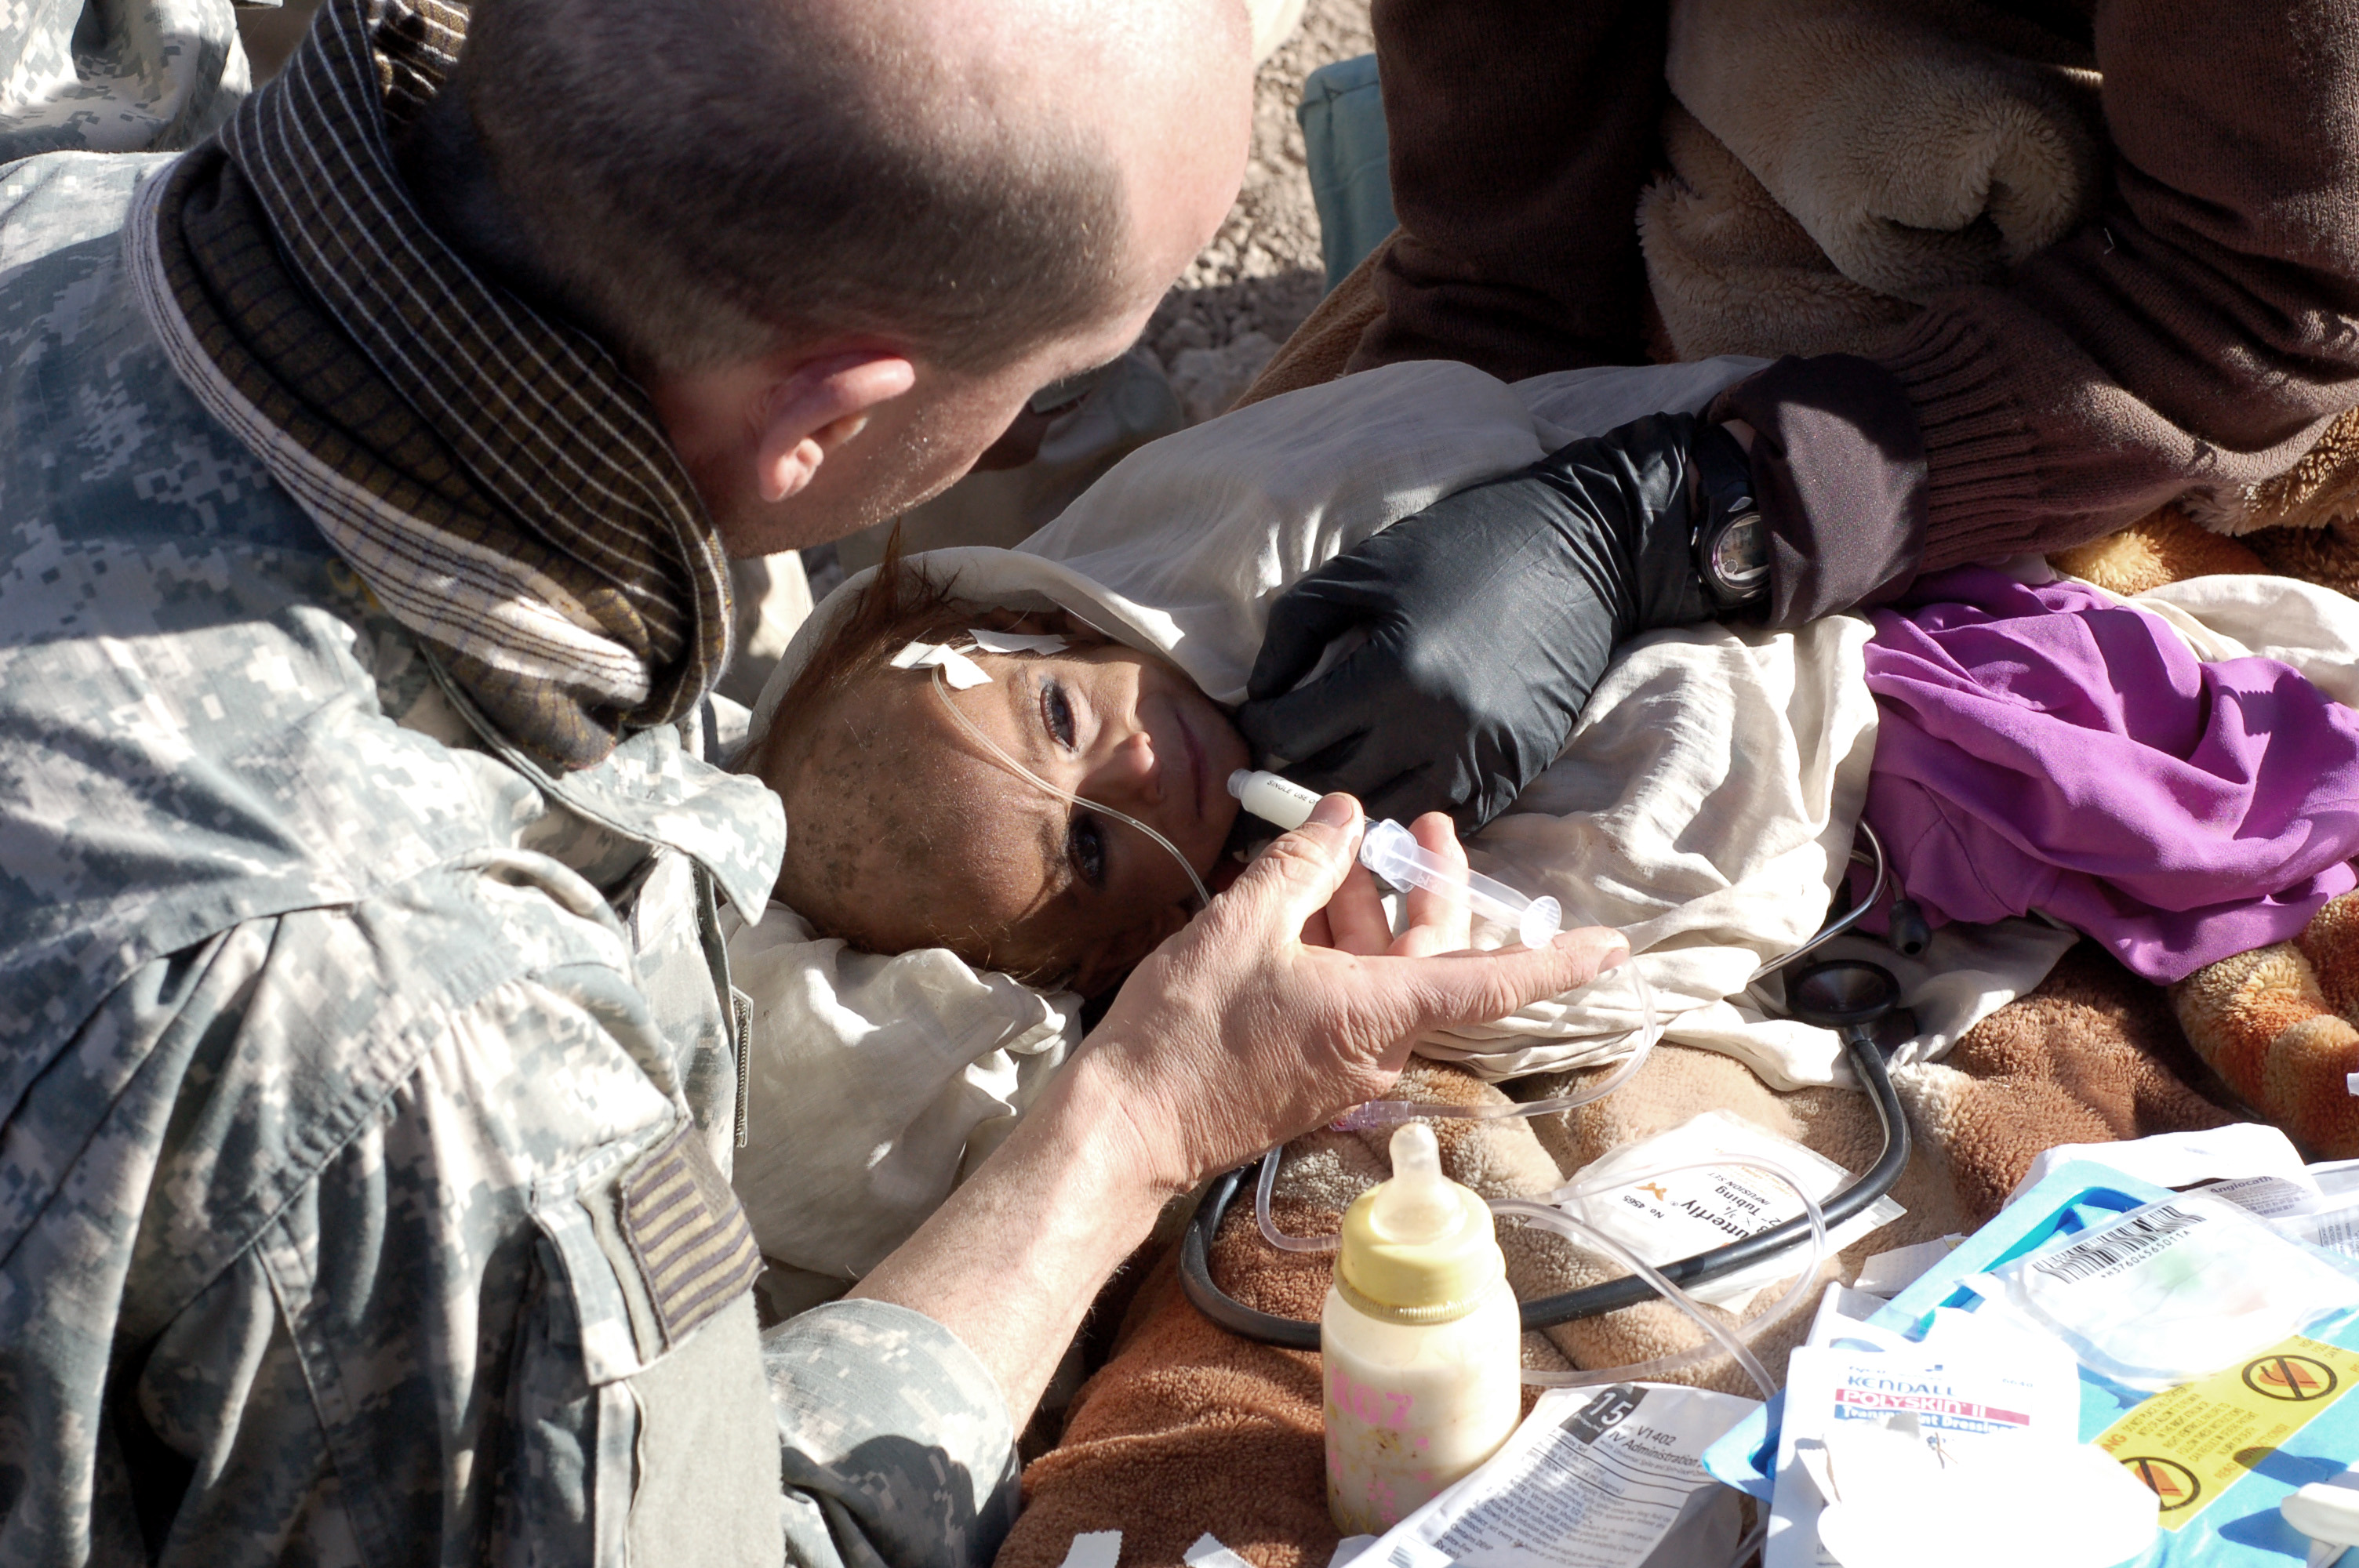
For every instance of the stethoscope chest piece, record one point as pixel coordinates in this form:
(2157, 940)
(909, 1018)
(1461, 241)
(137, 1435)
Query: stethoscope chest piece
(1850, 996)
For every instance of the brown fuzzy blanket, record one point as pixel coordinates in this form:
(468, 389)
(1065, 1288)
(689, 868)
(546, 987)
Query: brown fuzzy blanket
(1187, 1428)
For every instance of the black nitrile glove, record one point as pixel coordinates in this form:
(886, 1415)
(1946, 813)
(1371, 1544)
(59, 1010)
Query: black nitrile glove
(1489, 617)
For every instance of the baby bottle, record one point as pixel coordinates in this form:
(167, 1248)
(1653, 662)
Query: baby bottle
(1420, 1343)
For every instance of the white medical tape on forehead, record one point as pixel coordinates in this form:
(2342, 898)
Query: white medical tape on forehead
(942, 690)
(992, 642)
(962, 672)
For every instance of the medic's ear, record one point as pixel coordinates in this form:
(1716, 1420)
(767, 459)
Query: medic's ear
(814, 406)
(1104, 965)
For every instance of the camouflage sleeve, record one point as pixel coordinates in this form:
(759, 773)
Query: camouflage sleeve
(116, 76)
(310, 1248)
(896, 1444)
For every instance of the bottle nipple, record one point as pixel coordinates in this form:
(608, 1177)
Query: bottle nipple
(1417, 1248)
(1418, 1205)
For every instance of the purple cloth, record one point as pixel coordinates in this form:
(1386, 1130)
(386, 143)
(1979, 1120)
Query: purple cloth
(2047, 749)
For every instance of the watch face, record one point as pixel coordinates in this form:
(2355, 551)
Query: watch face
(1740, 556)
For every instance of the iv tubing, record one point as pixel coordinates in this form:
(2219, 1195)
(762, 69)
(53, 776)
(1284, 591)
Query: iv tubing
(1548, 1212)
(1594, 1301)
(943, 690)
(1262, 1217)
(1393, 1112)
(1557, 1219)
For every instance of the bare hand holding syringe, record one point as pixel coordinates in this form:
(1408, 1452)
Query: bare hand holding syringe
(1388, 850)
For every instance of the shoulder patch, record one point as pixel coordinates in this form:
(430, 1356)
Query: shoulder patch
(687, 1232)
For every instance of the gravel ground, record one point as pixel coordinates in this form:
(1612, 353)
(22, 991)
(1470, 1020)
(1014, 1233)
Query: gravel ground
(1262, 273)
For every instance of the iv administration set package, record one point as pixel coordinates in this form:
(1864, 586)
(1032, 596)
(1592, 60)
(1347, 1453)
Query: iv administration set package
(2109, 1372)
(1718, 1198)
(1606, 1476)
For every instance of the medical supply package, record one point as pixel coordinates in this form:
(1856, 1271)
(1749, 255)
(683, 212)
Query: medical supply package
(2135, 1281)
(2170, 1291)
(1719, 1199)
(1959, 1393)
(1595, 1478)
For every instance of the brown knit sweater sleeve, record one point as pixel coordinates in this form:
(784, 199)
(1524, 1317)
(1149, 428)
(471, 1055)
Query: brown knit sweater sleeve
(2199, 332)
(2193, 338)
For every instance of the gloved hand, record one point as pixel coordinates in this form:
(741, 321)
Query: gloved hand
(1488, 618)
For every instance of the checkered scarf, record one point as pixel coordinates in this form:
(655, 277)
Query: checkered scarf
(491, 474)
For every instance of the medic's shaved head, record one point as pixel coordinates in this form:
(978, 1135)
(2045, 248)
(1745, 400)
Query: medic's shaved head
(697, 177)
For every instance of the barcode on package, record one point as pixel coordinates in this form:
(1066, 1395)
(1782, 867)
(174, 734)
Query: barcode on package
(2119, 1248)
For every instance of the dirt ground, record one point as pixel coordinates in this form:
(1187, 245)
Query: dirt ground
(1262, 273)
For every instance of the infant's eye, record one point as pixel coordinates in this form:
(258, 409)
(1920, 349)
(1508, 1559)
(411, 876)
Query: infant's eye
(1085, 846)
(1057, 712)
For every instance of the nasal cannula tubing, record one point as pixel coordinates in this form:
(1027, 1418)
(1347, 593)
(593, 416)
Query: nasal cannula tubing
(943, 690)
(1391, 1112)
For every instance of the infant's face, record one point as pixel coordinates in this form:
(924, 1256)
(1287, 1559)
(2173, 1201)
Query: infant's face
(1116, 729)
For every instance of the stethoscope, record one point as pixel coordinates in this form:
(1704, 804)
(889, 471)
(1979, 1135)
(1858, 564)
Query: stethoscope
(1849, 996)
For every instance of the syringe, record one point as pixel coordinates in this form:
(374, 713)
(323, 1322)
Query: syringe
(1388, 850)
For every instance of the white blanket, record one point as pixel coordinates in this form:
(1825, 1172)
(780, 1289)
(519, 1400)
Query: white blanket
(875, 1085)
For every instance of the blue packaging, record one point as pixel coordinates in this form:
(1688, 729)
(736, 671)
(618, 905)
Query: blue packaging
(2220, 1452)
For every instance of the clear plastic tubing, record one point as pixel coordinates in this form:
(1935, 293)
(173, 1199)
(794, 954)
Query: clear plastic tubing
(1386, 1112)
(1392, 1112)
(1388, 850)
(1546, 1213)
(1720, 1338)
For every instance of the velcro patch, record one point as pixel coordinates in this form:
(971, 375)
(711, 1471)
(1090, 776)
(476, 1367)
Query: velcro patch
(687, 1232)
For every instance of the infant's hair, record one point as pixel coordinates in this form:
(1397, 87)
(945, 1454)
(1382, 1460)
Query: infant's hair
(898, 606)
(855, 784)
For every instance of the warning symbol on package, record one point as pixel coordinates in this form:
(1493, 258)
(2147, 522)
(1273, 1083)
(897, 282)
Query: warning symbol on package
(2191, 1443)
(2295, 1379)
(2173, 1483)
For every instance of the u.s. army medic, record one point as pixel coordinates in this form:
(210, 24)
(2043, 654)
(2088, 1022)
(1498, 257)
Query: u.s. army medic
(367, 1085)
(349, 1054)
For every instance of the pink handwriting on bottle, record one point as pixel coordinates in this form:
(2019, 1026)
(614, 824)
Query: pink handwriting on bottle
(1378, 1407)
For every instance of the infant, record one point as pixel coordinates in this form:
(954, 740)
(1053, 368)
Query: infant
(949, 848)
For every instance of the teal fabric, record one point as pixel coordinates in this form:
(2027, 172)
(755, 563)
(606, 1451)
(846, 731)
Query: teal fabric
(1343, 118)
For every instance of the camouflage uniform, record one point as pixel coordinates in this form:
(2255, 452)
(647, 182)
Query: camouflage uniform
(116, 75)
(357, 1081)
